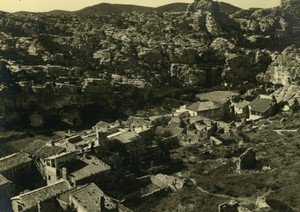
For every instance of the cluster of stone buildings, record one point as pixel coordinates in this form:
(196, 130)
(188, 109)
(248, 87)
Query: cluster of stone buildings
(203, 119)
(72, 173)
(68, 168)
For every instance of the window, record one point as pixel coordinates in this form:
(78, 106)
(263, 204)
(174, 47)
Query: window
(49, 177)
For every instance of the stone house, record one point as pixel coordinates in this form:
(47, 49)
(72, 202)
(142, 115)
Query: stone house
(76, 169)
(241, 109)
(207, 109)
(200, 128)
(90, 198)
(127, 138)
(54, 166)
(39, 151)
(6, 191)
(15, 167)
(41, 199)
(262, 107)
(6, 186)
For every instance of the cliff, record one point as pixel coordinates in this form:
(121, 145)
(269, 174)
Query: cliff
(284, 69)
(98, 64)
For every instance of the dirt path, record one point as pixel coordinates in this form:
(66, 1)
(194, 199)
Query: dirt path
(241, 200)
(279, 132)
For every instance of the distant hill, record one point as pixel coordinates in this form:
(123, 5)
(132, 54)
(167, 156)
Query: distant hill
(228, 8)
(106, 8)
(175, 7)
(59, 12)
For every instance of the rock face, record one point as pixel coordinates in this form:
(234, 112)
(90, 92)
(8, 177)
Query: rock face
(244, 66)
(285, 68)
(247, 160)
(288, 4)
(231, 206)
(204, 13)
(190, 75)
(99, 64)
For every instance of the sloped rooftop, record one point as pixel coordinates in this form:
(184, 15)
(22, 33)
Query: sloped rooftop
(203, 106)
(3, 180)
(89, 198)
(242, 104)
(30, 199)
(13, 160)
(261, 105)
(40, 149)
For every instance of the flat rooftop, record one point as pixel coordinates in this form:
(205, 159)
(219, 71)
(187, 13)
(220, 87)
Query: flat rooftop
(90, 165)
(125, 137)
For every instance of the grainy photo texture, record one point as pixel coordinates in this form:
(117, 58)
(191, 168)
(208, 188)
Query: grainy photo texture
(149, 106)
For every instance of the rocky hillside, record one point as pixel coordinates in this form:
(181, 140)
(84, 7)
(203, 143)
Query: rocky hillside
(72, 69)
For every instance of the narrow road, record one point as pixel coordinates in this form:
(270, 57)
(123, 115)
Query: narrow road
(241, 200)
(280, 131)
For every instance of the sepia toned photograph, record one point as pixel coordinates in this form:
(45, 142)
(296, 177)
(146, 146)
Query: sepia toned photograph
(149, 106)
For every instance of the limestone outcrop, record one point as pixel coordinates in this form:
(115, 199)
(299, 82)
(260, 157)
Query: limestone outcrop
(284, 69)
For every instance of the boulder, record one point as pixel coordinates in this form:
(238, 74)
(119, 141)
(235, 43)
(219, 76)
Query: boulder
(231, 206)
(188, 75)
(284, 69)
(204, 13)
(261, 203)
(247, 160)
(104, 56)
(245, 66)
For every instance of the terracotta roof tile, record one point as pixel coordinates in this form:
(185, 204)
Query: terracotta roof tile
(30, 199)
(39, 149)
(89, 198)
(261, 104)
(13, 160)
(203, 106)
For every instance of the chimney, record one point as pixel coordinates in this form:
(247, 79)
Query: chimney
(101, 136)
(64, 171)
(102, 204)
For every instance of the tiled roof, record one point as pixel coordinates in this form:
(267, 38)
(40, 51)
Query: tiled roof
(3, 180)
(63, 154)
(203, 106)
(261, 104)
(6, 149)
(92, 166)
(39, 149)
(89, 198)
(13, 160)
(242, 104)
(30, 199)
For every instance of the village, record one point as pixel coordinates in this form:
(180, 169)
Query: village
(184, 107)
(114, 166)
